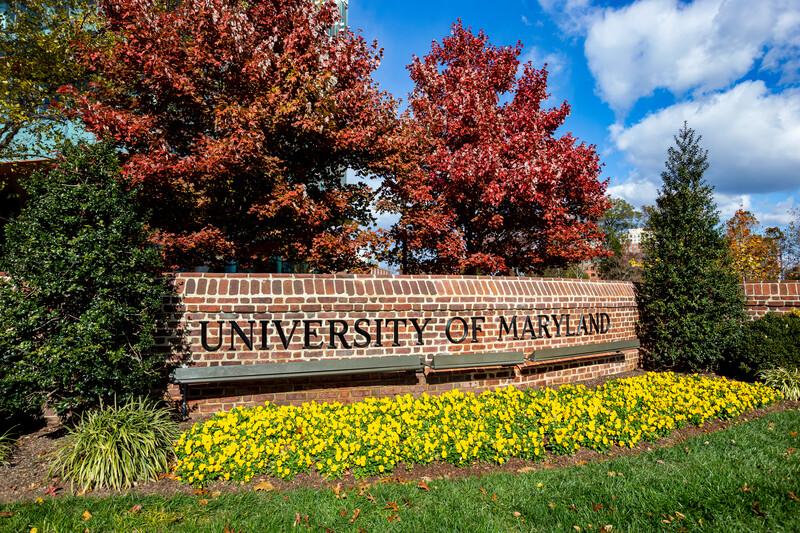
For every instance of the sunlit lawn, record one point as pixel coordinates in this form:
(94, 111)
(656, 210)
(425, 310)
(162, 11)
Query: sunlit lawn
(743, 479)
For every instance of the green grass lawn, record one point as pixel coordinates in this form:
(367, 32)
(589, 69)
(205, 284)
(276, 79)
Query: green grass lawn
(743, 479)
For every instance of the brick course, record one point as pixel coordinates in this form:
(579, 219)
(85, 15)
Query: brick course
(267, 297)
(772, 297)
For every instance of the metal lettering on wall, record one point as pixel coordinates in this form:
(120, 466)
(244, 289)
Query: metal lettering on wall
(379, 332)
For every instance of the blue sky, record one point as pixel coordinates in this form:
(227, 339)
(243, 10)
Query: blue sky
(633, 71)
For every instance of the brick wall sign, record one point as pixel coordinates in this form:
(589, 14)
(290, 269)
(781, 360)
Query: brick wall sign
(560, 331)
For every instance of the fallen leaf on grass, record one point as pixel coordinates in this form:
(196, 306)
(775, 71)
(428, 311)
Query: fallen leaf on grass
(356, 513)
(264, 486)
(6, 514)
(577, 528)
(607, 528)
(552, 506)
(424, 486)
(793, 497)
(216, 494)
(167, 475)
(86, 516)
(680, 515)
(597, 507)
(393, 517)
(370, 497)
(745, 488)
(343, 512)
(757, 509)
(517, 514)
(135, 509)
(228, 529)
(200, 492)
(793, 434)
(52, 490)
(338, 492)
(296, 520)
(202, 501)
(525, 469)
(393, 506)
(790, 451)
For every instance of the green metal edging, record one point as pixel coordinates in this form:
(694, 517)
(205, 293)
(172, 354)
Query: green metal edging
(217, 374)
(548, 354)
(475, 360)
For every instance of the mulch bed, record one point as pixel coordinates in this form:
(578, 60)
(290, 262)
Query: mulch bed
(26, 477)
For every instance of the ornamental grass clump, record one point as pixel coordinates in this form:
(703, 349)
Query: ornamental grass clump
(6, 447)
(787, 381)
(118, 445)
(373, 436)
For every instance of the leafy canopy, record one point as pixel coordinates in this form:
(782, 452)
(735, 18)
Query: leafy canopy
(755, 257)
(491, 189)
(240, 119)
(622, 261)
(690, 301)
(38, 44)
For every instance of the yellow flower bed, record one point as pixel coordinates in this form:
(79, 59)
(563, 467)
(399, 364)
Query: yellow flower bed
(373, 436)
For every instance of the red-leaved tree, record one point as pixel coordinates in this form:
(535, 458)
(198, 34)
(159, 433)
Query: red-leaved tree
(494, 191)
(238, 120)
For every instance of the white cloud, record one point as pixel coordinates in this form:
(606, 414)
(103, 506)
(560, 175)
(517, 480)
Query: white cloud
(572, 16)
(699, 46)
(728, 204)
(768, 212)
(635, 190)
(753, 138)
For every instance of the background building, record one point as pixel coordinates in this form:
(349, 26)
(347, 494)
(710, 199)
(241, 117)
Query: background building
(343, 5)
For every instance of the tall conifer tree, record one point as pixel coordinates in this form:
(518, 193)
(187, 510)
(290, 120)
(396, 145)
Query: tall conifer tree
(690, 300)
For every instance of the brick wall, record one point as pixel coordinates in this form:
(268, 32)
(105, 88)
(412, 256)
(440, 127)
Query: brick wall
(252, 300)
(778, 297)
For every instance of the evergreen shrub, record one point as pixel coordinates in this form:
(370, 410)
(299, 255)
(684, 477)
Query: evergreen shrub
(690, 301)
(770, 342)
(80, 314)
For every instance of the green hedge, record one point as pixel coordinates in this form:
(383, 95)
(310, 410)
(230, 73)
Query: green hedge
(770, 342)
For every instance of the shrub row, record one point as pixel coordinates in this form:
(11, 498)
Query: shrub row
(373, 436)
(770, 342)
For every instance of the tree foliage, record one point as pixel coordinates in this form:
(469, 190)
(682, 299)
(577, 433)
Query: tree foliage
(38, 41)
(618, 220)
(755, 257)
(240, 119)
(81, 312)
(492, 188)
(790, 248)
(690, 301)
